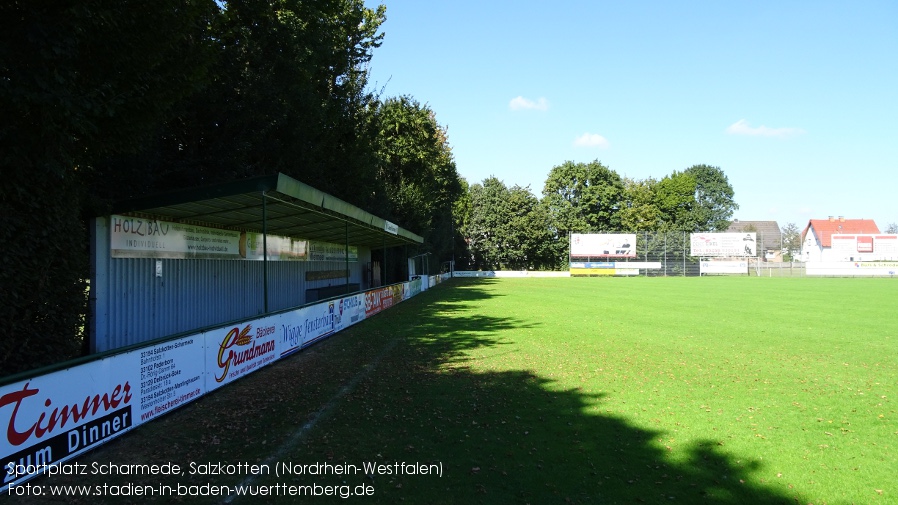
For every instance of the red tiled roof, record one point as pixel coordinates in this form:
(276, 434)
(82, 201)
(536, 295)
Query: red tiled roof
(825, 228)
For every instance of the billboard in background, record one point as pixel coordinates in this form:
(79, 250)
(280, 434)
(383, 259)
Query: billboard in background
(873, 247)
(723, 244)
(598, 245)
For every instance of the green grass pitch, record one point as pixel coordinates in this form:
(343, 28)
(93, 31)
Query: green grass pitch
(723, 390)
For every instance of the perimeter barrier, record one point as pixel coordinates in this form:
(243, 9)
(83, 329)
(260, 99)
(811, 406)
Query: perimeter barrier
(55, 416)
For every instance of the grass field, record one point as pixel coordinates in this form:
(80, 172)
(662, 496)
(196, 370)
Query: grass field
(571, 390)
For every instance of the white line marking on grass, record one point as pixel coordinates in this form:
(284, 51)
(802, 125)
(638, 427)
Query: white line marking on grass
(323, 412)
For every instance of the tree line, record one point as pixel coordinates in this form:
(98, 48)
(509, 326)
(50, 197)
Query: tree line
(510, 228)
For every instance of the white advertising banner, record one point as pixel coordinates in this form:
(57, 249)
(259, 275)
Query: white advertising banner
(852, 268)
(55, 417)
(324, 251)
(318, 322)
(724, 267)
(291, 249)
(646, 265)
(171, 374)
(302, 327)
(132, 237)
(723, 244)
(603, 245)
(252, 247)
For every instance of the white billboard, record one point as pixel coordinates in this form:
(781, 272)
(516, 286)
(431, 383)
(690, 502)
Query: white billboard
(599, 245)
(724, 267)
(869, 247)
(723, 244)
(852, 268)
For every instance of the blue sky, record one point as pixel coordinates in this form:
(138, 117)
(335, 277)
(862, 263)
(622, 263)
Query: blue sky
(796, 101)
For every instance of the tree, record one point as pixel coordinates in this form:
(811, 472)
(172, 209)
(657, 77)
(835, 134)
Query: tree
(417, 172)
(104, 100)
(892, 229)
(791, 240)
(583, 197)
(714, 204)
(579, 198)
(483, 229)
(461, 215)
(508, 228)
(675, 200)
(287, 94)
(640, 211)
(79, 82)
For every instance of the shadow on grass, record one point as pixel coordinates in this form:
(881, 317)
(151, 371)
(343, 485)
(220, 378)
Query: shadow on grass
(507, 436)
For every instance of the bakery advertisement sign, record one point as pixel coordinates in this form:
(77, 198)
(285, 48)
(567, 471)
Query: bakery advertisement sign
(235, 351)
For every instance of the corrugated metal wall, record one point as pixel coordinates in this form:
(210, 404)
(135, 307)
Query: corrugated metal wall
(133, 305)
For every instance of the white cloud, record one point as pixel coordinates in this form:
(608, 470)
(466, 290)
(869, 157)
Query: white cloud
(742, 127)
(591, 140)
(521, 103)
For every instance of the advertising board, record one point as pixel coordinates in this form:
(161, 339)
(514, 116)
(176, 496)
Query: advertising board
(599, 245)
(723, 267)
(54, 417)
(723, 244)
(852, 268)
(132, 237)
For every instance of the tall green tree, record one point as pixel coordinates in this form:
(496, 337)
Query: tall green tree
(461, 212)
(417, 172)
(79, 82)
(288, 94)
(583, 197)
(507, 228)
(714, 203)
